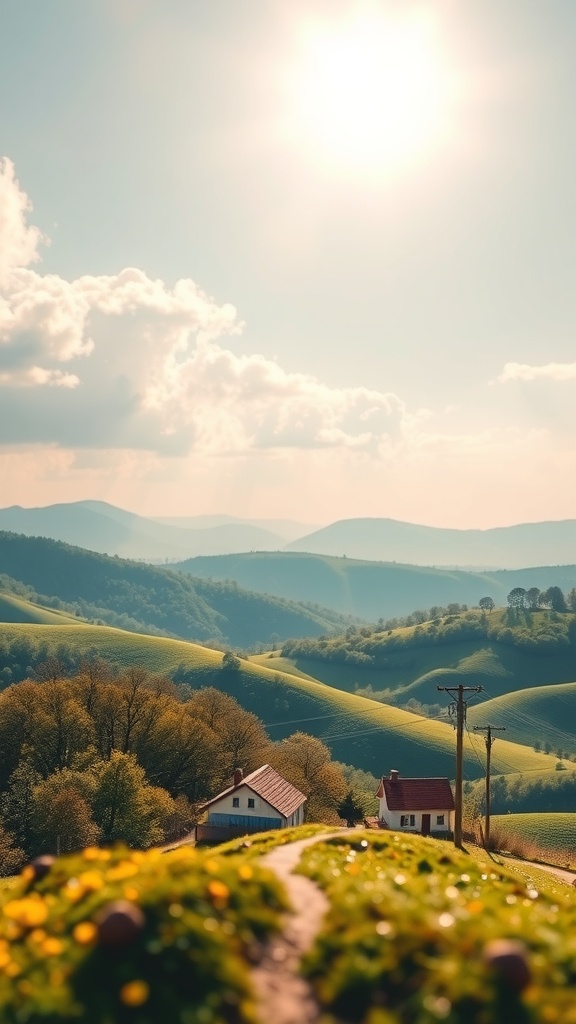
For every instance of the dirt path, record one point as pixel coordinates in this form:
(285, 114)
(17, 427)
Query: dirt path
(283, 996)
(565, 876)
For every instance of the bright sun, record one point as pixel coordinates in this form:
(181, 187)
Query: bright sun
(373, 91)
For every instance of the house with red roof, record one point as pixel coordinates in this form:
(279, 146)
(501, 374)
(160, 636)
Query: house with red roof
(415, 805)
(257, 802)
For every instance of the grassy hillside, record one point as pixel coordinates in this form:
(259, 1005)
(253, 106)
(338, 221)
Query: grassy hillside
(503, 651)
(137, 596)
(412, 925)
(369, 590)
(17, 609)
(542, 714)
(548, 831)
(359, 731)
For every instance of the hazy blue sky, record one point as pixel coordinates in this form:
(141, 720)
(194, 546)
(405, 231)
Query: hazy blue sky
(350, 231)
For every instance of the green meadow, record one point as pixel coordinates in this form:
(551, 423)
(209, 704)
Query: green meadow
(17, 609)
(360, 731)
(539, 715)
(548, 831)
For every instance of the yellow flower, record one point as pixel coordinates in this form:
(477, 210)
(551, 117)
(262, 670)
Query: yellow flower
(218, 890)
(134, 993)
(245, 872)
(4, 958)
(28, 912)
(28, 873)
(131, 893)
(91, 853)
(91, 880)
(13, 970)
(52, 947)
(38, 935)
(122, 870)
(84, 933)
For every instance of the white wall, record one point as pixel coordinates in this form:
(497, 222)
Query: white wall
(261, 809)
(393, 818)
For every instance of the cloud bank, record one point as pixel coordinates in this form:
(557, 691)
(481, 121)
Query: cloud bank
(126, 362)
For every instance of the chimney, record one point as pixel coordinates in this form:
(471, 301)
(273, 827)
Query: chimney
(393, 775)
(238, 776)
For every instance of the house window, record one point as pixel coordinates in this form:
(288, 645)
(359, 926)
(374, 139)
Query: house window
(235, 801)
(407, 820)
(250, 802)
(439, 819)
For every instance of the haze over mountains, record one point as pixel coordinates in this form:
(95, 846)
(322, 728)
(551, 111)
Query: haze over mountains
(102, 527)
(390, 540)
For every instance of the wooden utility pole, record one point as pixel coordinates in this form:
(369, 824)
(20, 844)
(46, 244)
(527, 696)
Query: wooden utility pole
(458, 707)
(489, 740)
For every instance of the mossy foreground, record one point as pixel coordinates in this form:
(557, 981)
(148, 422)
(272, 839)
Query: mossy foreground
(414, 936)
(120, 937)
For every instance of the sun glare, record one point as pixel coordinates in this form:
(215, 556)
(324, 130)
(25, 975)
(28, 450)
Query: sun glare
(373, 91)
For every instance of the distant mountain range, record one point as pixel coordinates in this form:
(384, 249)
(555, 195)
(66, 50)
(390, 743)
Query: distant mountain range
(371, 590)
(390, 540)
(98, 526)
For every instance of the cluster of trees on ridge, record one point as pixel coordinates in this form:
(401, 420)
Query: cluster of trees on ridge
(539, 629)
(107, 756)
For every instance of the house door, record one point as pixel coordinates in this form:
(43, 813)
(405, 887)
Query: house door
(425, 824)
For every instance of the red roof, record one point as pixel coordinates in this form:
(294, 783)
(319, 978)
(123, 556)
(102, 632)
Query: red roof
(268, 784)
(417, 794)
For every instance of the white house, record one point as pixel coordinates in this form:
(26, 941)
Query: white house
(261, 801)
(415, 805)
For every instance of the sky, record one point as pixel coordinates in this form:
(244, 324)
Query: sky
(309, 260)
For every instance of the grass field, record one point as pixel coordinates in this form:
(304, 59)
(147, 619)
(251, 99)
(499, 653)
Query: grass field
(359, 731)
(555, 832)
(539, 714)
(17, 609)
(415, 672)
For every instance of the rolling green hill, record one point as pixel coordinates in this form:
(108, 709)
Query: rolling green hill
(134, 595)
(370, 590)
(503, 651)
(17, 609)
(548, 831)
(542, 714)
(359, 731)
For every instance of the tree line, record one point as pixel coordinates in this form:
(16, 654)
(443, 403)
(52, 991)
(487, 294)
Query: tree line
(106, 756)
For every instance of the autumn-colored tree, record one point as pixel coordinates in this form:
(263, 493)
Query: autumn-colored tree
(125, 806)
(12, 857)
(306, 762)
(17, 802)
(242, 741)
(62, 821)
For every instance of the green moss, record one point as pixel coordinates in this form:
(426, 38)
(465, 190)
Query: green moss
(202, 915)
(410, 919)
(257, 844)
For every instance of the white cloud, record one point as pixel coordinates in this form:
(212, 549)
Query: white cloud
(146, 367)
(18, 242)
(548, 371)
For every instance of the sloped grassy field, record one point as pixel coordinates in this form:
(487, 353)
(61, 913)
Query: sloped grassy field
(411, 936)
(17, 609)
(538, 714)
(414, 935)
(548, 831)
(359, 731)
